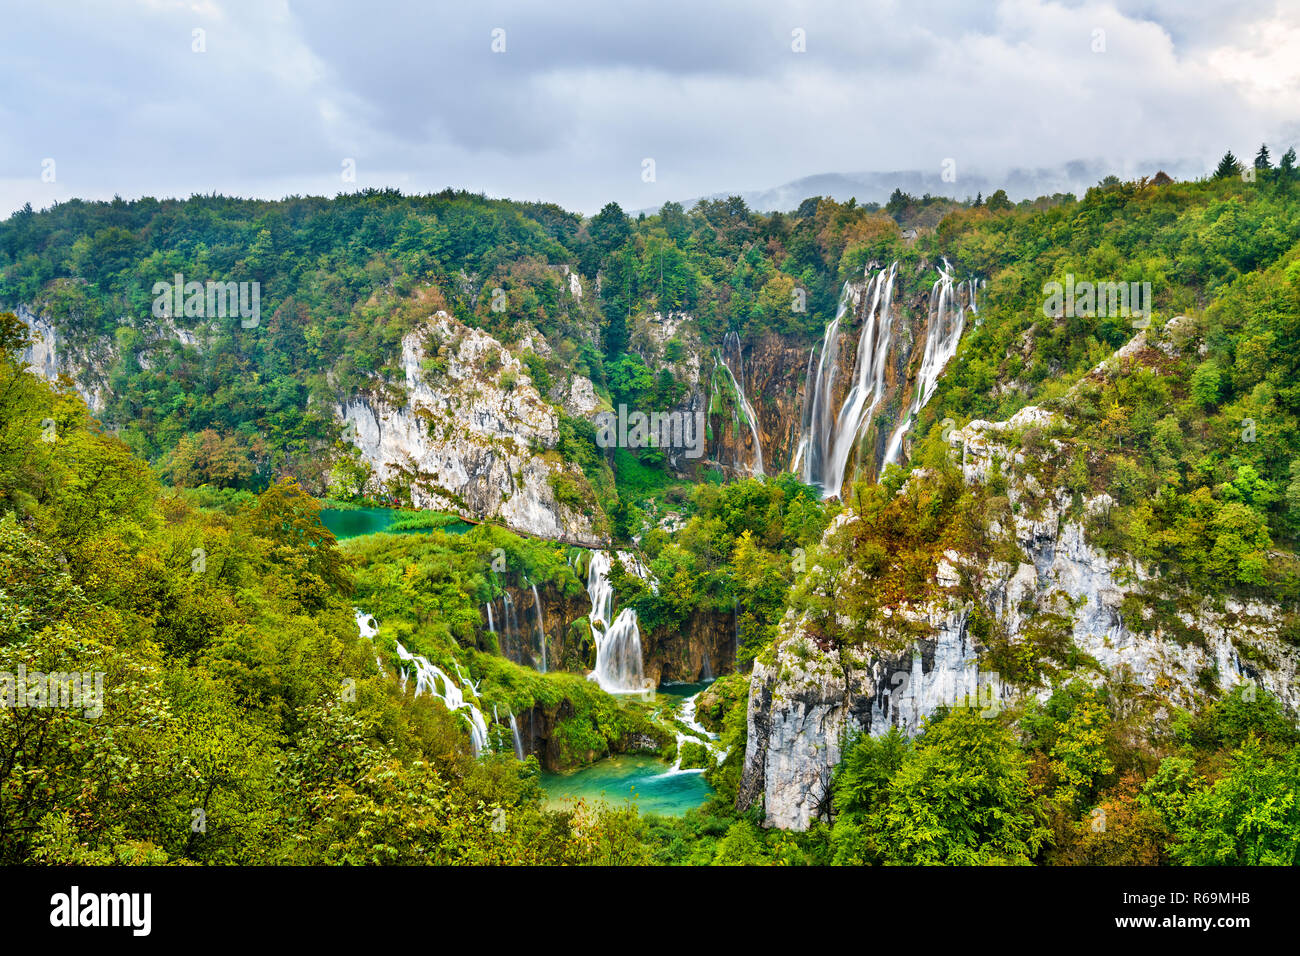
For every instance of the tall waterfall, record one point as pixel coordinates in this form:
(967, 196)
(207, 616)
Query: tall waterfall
(814, 446)
(868, 376)
(541, 627)
(511, 629)
(733, 364)
(514, 732)
(942, 334)
(829, 439)
(618, 643)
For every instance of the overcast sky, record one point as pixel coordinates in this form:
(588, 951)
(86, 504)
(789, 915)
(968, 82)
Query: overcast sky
(585, 91)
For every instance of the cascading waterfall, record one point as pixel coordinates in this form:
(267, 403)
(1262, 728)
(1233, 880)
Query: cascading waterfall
(599, 589)
(687, 717)
(512, 628)
(492, 628)
(829, 439)
(733, 364)
(514, 732)
(368, 628)
(868, 378)
(427, 676)
(942, 335)
(541, 627)
(815, 445)
(618, 642)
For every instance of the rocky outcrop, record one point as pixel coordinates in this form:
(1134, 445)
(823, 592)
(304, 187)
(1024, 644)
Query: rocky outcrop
(518, 618)
(705, 647)
(49, 356)
(775, 369)
(577, 396)
(473, 437)
(670, 342)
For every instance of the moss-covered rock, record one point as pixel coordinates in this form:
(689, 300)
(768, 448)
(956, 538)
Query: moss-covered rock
(694, 756)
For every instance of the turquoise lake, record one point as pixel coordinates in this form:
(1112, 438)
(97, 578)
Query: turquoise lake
(354, 522)
(646, 781)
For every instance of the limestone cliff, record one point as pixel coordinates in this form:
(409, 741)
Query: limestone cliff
(50, 356)
(474, 436)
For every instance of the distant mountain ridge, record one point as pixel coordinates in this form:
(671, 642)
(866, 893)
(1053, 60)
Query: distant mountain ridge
(875, 187)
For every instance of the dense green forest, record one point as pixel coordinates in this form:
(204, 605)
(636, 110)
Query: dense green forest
(173, 542)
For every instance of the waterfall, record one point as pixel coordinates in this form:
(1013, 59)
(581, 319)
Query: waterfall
(541, 626)
(618, 656)
(511, 629)
(366, 625)
(368, 628)
(868, 378)
(731, 352)
(829, 439)
(819, 396)
(514, 732)
(687, 717)
(706, 673)
(599, 589)
(800, 452)
(426, 677)
(618, 642)
(492, 629)
(942, 334)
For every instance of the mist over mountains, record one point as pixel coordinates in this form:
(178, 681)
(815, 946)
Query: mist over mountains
(1020, 183)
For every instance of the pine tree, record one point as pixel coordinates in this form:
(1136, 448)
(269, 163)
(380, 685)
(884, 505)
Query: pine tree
(1228, 166)
(1287, 166)
(1262, 159)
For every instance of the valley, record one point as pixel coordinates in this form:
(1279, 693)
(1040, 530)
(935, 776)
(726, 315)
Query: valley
(505, 534)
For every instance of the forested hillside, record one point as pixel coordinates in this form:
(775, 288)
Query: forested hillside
(1090, 517)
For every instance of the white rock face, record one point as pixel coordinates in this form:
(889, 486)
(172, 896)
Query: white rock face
(44, 358)
(578, 396)
(463, 440)
(41, 356)
(804, 704)
(804, 701)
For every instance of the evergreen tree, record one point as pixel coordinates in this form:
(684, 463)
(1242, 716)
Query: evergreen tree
(999, 201)
(1228, 166)
(1262, 158)
(1286, 168)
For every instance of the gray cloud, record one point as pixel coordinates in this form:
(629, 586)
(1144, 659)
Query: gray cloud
(588, 89)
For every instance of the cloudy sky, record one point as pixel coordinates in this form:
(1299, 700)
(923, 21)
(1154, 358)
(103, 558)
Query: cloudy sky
(271, 97)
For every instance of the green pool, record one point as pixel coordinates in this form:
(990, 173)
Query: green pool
(646, 781)
(352, 522)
